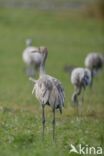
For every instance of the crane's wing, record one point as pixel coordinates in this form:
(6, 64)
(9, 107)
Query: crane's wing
(43, 89)
(49, 90)
(60, 90)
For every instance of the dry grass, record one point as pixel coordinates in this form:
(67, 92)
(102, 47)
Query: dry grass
(95, 9)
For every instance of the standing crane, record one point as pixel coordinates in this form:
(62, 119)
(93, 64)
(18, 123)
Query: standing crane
(48, 90)
(31, 58)
(80, 78)
(94, 62)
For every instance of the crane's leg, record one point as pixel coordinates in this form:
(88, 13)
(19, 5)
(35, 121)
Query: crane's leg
(53, 122)
(91, 84)
(43, 120)
(77, 109)
(82, 99)
(80, 102)
(76, 100)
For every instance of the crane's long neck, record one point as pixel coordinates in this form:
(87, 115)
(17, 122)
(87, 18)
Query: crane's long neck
(42, 70)
(76, 94)
(92, 76)
(42, 65)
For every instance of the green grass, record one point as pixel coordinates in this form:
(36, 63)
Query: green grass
(69, 36)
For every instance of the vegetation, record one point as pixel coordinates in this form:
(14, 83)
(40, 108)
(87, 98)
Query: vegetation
(95, 9)
(69, 36)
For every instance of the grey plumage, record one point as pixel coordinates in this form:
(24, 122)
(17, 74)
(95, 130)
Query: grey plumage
(31, 58)
(80, 78)
(48, 90)
(95, 62)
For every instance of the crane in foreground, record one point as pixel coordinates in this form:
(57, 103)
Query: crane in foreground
(48, 90)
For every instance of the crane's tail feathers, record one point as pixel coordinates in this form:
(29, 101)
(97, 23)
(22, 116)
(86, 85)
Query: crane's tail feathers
(31, 79)
(33, 90)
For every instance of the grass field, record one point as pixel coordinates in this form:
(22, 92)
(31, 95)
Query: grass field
(69, 36)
